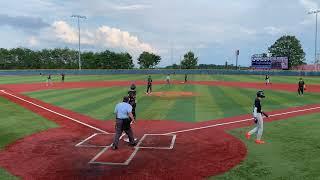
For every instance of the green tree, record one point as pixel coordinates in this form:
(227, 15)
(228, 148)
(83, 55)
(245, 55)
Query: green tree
(89, 60)
(288, 46)
(189, 61)
(23, 58)
(148, 60)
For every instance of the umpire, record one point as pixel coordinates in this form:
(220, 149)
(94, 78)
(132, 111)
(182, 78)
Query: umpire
(124, 116)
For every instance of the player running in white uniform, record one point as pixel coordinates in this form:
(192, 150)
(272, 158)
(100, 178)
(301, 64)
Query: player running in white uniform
(168, 79)
(258, 119)
(267, 79)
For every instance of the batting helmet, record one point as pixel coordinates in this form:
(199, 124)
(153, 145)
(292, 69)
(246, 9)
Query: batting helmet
(260, 94)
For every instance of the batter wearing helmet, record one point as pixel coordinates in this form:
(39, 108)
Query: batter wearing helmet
(258, 119)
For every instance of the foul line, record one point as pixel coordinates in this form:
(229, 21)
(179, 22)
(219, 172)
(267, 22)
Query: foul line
(70, 118)
(234, 122)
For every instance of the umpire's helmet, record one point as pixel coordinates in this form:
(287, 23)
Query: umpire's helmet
(260, 94)
(133, 87)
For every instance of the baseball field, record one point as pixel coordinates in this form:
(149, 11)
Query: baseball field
(193, 130)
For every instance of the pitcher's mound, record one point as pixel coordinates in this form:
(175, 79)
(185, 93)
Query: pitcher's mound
(173, 94)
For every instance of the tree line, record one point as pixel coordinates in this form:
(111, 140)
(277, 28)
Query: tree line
(24, 58)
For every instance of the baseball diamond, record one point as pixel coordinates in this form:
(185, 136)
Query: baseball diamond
(159, 90)
(193, 130)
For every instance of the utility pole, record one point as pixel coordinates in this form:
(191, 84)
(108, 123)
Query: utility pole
(79, 53)
(316, 38)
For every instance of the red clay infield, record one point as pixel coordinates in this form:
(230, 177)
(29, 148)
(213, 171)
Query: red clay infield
(200, 149)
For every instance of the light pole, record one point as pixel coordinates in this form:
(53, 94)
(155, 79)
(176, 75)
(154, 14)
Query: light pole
(79, 53)
(316, 37)
(237, 57)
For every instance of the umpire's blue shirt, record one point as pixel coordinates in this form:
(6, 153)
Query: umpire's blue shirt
(122, 110)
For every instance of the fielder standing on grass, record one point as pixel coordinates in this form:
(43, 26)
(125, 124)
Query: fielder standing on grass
(267, 79)
(168, 79)
(62, 77)
(301, 87)
(258, 119)
(124, 118)
(49, 80)
(185, 78)
(149, 87)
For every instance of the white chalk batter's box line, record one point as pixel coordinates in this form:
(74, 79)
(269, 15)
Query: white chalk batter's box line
(82, 143)
(132, 155)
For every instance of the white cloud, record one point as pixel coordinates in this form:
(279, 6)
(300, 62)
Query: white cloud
(309, 4)
(132, 7)
(116, 38)
(273, 30)
(65, 32)
(33, 41)
(248, 31)
(103, 36)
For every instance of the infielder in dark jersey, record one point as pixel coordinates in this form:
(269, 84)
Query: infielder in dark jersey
(62, 77)
(49, 80)
(149, 87)
(301, 87)
(257, 115)
(185, 78)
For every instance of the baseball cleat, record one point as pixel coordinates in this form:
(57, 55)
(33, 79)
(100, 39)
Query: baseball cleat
(127, 139)
(248, 136)
(133, 144)
(260, 142)
(114, 147)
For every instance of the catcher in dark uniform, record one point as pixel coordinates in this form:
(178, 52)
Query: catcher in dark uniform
(132, 93)
(132, 101)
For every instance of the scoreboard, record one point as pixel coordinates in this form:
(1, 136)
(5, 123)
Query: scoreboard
(261, 62)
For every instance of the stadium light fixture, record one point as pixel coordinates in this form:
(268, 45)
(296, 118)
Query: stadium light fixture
(79, 53)
(316, 36)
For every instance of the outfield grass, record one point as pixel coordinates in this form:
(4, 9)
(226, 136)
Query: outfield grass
(17, 122)
(237, 78)
(291, 152)
(210, 103)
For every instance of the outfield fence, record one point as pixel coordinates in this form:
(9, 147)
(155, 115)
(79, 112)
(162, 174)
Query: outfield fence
(154, 71)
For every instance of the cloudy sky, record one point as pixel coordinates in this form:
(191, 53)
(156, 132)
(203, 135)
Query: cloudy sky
(213, 29)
